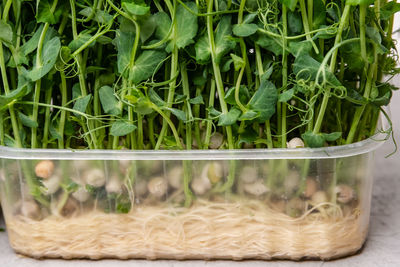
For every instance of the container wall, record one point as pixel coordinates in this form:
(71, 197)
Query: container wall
(233, 209)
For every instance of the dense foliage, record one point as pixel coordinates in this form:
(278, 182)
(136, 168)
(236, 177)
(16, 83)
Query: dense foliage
(168, 74)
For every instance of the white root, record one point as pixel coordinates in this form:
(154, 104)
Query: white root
(344, 193)
(174, 177)
(295, 143)
(248, 174)
(44, 169)
(158, 187)
(258, 188)
(95, 177)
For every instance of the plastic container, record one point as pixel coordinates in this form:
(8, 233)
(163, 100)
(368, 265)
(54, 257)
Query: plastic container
(248, 204)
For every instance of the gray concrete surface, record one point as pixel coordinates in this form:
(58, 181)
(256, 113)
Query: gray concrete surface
(382, 247)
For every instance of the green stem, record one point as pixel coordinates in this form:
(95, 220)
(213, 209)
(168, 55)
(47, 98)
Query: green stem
(217, 73)
(64, 95)
(171, 92)
(211, 102)
(284, 76)
(324, 105)
(305, 23)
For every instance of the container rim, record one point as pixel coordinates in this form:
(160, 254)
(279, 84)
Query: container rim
(343, 151)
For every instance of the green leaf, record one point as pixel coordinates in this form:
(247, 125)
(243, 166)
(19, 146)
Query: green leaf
(186, 25)
(26, 121)
(122, 128)
(295, 24)
(300, 48)
(83, 37)
(359, 2)
(389, 9)
(108, 101)
(32, 44)
(249, 18)
(163, 24)
(156, 99)
(198, 100)
(136, 8)
(238, 62)
(147, 28)
(24, 88)
(332, 136)
(44, 13)
(100, 16)
(82, 103)
(180, 114)
(223, 38)
(245, 30)
(269, 43)
(213, 113)
(229, 118)
(146, 64)
(249, 115)
(203, 51)
(143, 106)
(319, 14)
(264, 100)
(318, 140)
(6, 33)
(291, 4)
(124, 42)
(244, 95)
(286, 95)
(49, 57)
(313, 140)
(249, 136)
(305, 67)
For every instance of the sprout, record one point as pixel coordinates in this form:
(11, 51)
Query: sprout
(258, 188)
(295, 143)
(248, 174)
(344, 193)
(44, 169)
(158, 187)
(95, 177)
(174, 177)
(82, 195)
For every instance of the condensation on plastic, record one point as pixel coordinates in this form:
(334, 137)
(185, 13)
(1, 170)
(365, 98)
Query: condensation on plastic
(301, 203)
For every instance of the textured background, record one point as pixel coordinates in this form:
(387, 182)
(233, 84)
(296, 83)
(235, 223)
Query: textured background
(382, 248)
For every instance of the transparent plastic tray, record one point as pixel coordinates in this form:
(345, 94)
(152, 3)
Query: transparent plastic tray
(247, 204)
